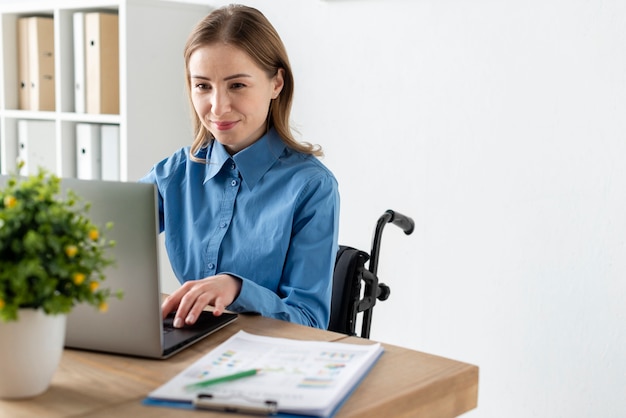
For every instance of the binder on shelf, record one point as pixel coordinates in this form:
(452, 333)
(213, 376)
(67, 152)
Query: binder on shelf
(41, 63)
(36, 62)
(266, 375)
(79, 61)
(23, 69)
(36, 145)
(110, 151)
(88, 158)
(102, 63)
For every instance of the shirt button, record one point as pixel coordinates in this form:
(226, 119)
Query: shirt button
(211, 266)
(233, 166)
(233, 183)
(223, 225)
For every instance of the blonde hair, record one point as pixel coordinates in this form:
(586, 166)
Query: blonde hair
(249, 30)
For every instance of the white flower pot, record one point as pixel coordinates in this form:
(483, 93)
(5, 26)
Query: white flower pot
(30, 352)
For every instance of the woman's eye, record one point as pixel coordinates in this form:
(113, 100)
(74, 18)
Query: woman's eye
(236, 86)
(201, 86)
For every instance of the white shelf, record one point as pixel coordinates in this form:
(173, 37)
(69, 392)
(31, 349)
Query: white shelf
(154, 113)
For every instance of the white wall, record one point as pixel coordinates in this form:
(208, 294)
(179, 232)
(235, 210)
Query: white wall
(499, 126)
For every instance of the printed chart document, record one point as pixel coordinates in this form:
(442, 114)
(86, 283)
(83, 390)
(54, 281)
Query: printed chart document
(271, 375)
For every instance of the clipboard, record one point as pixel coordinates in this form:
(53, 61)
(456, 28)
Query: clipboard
(208, 401)
(297, 378)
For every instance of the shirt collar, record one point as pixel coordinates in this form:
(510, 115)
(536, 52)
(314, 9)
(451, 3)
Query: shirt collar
(253, 162)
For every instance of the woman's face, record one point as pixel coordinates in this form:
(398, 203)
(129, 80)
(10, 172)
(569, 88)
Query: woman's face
(231, 94)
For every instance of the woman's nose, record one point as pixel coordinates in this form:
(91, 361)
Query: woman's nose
(220, 102)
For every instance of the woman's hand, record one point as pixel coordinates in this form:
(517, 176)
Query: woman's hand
(193, 296)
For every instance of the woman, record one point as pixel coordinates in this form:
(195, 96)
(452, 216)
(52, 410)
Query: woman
(250, 215)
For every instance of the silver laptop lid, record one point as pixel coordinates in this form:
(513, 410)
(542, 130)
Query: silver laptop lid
(132, 325)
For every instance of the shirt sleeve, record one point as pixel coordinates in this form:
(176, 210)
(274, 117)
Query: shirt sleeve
(159, 175)
(304, 291)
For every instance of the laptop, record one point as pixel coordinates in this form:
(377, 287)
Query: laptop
(133, 325)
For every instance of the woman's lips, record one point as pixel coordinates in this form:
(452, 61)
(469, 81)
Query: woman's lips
(224, 126)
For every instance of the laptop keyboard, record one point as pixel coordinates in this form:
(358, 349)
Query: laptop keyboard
(168, 323)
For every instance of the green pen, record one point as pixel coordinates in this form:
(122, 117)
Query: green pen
(221, 379)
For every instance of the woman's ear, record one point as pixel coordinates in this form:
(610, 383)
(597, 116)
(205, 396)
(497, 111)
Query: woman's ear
(279, 82)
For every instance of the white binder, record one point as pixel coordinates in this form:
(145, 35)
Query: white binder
(36, 145)
(79, 62)
(110, 150)
(88, 158)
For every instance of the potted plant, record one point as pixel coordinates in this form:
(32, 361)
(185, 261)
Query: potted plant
(52, 257)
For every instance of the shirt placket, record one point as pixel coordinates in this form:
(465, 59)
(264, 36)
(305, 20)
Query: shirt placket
(231, 184)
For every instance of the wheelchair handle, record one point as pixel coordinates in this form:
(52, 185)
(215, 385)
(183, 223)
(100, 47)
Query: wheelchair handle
(374, 290)
(390, 216)
(401, 221)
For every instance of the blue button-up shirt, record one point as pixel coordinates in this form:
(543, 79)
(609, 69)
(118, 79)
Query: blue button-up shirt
(268, 215)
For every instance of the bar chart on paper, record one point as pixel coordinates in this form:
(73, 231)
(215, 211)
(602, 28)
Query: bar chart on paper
(299, 377)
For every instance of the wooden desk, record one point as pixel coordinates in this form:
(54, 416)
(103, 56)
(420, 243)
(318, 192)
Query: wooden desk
(403, 383)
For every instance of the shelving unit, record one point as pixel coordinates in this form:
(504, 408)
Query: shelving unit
(154, 115)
